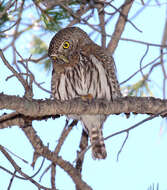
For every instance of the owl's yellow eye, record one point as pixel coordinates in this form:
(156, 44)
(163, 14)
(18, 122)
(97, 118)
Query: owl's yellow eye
(66, 45)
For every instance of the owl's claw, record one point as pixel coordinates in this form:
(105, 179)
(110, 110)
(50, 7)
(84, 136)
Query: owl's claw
(88, 97)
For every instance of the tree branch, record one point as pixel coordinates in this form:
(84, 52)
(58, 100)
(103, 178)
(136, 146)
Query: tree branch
(18, 169)
(43, 108)
(120, 26)
(42, 150)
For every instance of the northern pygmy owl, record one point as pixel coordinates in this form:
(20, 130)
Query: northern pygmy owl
(81, 68)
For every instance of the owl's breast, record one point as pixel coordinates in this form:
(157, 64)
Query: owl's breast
(86, 77)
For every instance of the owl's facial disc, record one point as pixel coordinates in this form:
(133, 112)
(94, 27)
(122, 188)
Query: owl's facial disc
(61, 56)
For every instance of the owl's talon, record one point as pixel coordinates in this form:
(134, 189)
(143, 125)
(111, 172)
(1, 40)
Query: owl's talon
(88, 97)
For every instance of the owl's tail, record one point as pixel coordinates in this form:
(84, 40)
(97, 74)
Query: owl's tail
(97, 142)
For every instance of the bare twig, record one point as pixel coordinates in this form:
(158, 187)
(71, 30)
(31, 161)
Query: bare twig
(136, 125)
(123, 131)
(67, 129)
(147, 49)
(61, 141)
(11, 180)
(18, 169)
(145, 66)
(23, 160)
(126, 138)
(62, 138)
(19, 77)
(81, 11)
(83, 145)
(144, 43)
(125, 16)
(3, 31)
(33, 60)
(30, 74)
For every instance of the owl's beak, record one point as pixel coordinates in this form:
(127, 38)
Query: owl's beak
(62, 57)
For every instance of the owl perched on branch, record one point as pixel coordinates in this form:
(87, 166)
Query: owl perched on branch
(83, 69)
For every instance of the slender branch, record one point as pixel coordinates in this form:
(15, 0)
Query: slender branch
(136, 125)
(81, 11)
(19, 77)
(11, 180)
(145, 66)
(127, 20)
(67, 129)
(62, 138)
(83, 145)
(144, 43)
(18, 169)
(23, 160)
(145, 53)
(123, 144)
(122, 131)
(61, 141)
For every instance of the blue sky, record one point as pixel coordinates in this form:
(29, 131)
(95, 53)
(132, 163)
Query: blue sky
(142, 160)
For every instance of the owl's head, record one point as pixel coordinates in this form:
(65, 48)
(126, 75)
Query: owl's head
(66, 43)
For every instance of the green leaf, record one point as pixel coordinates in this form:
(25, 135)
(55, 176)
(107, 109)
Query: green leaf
(140, 88)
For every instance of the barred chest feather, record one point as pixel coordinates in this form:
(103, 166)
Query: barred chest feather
(86, 77)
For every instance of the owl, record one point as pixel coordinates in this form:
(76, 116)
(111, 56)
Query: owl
(83, 69)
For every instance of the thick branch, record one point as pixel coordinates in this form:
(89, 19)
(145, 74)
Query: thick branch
(120, 26)
(42, 108)
(42, 150)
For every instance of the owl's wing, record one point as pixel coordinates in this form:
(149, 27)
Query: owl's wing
(110, 67)
(108, 63)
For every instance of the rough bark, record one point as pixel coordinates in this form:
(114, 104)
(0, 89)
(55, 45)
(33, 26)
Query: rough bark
(42, 108)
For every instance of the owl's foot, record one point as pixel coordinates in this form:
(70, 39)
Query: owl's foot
(88, 97)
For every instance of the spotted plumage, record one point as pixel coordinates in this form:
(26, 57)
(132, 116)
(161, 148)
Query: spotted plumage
(81, 68)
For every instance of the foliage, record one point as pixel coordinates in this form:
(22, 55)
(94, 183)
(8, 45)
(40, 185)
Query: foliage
(39, 48)
(53, 19)
(4, 18)
(140, 88)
